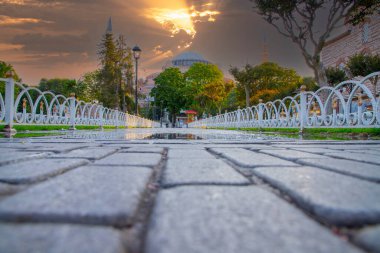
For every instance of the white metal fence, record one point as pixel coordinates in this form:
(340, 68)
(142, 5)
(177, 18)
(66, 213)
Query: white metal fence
(29, 105)
(347, 105)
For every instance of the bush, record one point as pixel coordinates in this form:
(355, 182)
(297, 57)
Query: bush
(363, 64)
(335, 76)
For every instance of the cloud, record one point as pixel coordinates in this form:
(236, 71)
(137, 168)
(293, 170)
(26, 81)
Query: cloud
(8, 46)
(6, 20)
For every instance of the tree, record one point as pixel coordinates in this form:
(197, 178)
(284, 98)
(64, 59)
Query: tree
(109, 72)
(125, 71)
(310, 83)
(90, 86)
(244, 79)
(335, 76)
(362, 65)
(296, 20)
(267, 81)
(59, 86)
(207, 84)
(171, 90)
(5, 68)
(272, 81)
(363, 9)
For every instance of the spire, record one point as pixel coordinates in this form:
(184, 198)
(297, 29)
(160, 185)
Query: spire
(265, 53)
(109, 26)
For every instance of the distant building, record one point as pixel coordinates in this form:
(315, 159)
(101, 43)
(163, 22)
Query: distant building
(182, 61)
(363, 38)
(185, 60)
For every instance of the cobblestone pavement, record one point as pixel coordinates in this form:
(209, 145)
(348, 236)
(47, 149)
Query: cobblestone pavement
(227, 192)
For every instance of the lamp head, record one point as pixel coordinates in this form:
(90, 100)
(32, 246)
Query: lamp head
(136, 52)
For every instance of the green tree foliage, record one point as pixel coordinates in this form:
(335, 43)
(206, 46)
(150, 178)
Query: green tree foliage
(207, 84)
(268, 81)
(362, 64)
(5, 68)
(310, 83)
(245, 80)
(363, 9)
(89, 87)
(335, 75)
(231, 102)
(65, 87)
(109, 84)
(171, 91)
(297, 20)
(125, 72)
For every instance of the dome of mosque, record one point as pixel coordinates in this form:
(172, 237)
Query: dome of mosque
(188, 59)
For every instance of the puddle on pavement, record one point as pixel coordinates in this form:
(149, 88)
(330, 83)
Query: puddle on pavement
(173, 136)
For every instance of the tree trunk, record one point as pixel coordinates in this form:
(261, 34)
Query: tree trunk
(247, 95)
(173, 120)
(320, 75)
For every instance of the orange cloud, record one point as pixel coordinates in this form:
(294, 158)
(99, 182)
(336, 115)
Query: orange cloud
(6, 20)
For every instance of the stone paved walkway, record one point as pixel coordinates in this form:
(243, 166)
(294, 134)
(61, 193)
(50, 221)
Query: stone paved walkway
(99, 193)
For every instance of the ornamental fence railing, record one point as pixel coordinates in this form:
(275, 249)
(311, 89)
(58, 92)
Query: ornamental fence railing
(20, 104)
(350, 104)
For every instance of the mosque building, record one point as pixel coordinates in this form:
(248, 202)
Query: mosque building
(182, 61)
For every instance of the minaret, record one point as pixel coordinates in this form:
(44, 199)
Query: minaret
(265, 53)
(109, 26)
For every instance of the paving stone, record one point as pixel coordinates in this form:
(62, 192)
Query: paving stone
(17, 238)
(353, 168)
(369, 238)
(366, 151)
(9, 156)
(338, 146)
(234, 219)
(338, 199)
(203, 171)
(361, 157)
(92, 194)
(190, 154)
(56, 147)
(292, 155)
(246, 158)
(89, 153)
(131, 159)
(256, 147)
(37, 170)
(144, 150)
(315, 150)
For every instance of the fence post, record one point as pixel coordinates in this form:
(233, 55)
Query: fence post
(238, 118)
(335, 108)
(101, 116)
(225, 119)
(9, 104)
(360, 110)
(261, 113)
(117, 117)
(72, 111)
(303, 109)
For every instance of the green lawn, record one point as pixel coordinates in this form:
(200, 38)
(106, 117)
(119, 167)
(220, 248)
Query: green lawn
(369, 131)
(21, 128)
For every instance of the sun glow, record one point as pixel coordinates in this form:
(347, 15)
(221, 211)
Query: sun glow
(183, 19)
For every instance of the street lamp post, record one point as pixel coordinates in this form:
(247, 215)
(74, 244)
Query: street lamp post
(136, 54)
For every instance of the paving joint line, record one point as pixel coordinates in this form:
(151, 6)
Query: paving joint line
(135, 235)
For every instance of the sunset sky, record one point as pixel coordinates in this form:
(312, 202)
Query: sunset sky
(54, 38)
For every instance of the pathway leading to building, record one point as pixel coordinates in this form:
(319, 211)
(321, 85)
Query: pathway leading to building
(215, 191)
